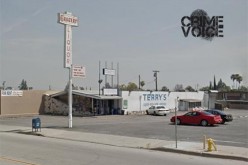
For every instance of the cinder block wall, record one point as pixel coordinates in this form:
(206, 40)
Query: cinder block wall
(30, 103)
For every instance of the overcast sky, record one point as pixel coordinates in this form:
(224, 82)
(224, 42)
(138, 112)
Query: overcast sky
(140, 35)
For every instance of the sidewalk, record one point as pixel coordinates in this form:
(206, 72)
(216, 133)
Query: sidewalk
(191, 148)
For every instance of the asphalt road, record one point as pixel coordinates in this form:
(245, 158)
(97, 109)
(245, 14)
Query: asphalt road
(21, 149)
(234, 133)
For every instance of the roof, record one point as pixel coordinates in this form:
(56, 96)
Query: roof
(88, 93)
(190, 100)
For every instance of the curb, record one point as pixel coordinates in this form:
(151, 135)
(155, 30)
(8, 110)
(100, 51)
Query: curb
(203, 154)
(163, 149)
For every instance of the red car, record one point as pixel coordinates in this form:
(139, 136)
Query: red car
(197, 118)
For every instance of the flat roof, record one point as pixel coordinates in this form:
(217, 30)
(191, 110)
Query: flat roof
(88, 93)
(190, 100)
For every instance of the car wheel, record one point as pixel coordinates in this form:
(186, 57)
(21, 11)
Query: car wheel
(223, 122)
(147, 113)
(154, 113)
(178, 121)
(204, 123)
(165, 114)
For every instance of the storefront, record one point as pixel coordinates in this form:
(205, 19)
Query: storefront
(189, 104)
(85, 103)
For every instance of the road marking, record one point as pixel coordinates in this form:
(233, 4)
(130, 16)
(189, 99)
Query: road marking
(16, 161)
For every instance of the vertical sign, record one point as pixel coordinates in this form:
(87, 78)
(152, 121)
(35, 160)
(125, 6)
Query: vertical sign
(68, 20)
(68, 46)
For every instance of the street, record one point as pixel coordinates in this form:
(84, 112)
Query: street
(234, 133)
(25, 149)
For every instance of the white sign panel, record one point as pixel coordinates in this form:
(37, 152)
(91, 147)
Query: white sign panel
(78, 71)
(108, 72)
(67, 19)
(110, 91)
(11, 93)
(68, 46)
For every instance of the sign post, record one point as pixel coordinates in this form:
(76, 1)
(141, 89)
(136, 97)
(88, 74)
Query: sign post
(176, 108)
(68, 20)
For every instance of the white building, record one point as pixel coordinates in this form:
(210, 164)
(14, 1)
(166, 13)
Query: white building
(142, 100)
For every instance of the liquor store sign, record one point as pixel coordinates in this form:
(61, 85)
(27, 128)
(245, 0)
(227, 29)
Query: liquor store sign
(68, 20)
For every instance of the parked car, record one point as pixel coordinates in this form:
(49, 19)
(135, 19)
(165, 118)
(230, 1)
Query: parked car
(225, 117)
(157, 110)
(197, 118)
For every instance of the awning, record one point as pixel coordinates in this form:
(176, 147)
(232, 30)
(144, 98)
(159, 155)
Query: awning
(190, 100)
(90, 94)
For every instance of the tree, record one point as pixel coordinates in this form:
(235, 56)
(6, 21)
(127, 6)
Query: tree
(123, 87)
(23, 85)
(215, 86)
(220, 84)
(210, 86)
(204, 88)
(132, 86)
(190, 89)
(243, 88)
(107, 85)
(179, 88)
(142, 83)
(164, 88)
(233, 77)
(239, 79)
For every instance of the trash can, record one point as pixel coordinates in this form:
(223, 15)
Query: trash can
(36, 124)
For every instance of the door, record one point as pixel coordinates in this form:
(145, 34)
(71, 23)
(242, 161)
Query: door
(191, 118)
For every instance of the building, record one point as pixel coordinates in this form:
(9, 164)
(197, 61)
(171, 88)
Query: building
(233, 99)
(84, 103)
(87, 103)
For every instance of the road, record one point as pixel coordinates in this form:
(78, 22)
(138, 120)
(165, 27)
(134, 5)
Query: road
(21, 149)
(234, 133)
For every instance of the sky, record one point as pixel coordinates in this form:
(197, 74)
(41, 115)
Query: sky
(140, 35)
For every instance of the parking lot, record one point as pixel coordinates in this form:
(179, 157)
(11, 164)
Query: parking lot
(234, 133)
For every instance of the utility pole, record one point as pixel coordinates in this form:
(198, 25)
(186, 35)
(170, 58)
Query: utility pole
(139, 82)
(156, 78)
(99, 80)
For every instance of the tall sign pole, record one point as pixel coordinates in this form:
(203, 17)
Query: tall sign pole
(68, 20)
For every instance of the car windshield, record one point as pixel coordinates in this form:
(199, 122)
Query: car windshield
(160, 107)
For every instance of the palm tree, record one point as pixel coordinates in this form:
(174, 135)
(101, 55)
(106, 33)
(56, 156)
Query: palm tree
(239, 79)
(233, 77)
